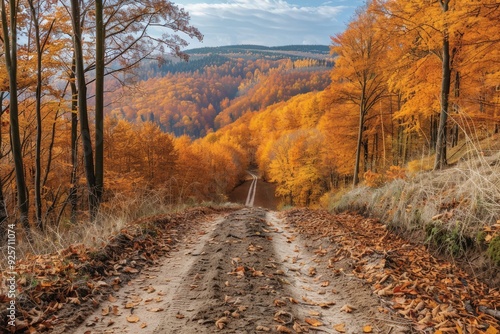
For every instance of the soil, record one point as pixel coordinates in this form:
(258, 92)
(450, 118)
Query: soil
(245, 273)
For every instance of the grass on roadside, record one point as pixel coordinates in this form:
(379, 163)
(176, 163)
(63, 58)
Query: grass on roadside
(112, 217)
(455, 211)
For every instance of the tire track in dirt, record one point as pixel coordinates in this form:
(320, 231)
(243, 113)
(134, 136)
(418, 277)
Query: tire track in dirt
(245, 273)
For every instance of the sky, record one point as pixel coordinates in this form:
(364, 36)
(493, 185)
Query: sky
(268, 22)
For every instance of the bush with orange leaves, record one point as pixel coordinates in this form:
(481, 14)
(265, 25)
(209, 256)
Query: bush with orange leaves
(375, 180)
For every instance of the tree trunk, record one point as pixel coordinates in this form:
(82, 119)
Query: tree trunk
(10, 51)
(440, 161)
(73, 191)
(38, 111)
(455, 129)
(3, 208)
(360, 140)
(99, 101)
(88, 154)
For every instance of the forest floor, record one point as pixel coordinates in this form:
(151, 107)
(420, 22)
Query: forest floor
(252, 270)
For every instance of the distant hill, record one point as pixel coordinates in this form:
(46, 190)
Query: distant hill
(209, 57)
(288, 51)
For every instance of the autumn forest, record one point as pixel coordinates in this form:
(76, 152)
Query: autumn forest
(94, 111)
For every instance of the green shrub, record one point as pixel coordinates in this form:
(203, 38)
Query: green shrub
(493, 250)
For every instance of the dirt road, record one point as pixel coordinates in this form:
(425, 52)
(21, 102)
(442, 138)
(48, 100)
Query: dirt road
(254, 192)
(245, 273)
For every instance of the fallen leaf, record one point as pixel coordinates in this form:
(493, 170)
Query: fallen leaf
(313, 322)
(340, 328)
(325, 284)
(279, 303)
(282, 329)
(367, 329)
(144, 325)
(347, 308)
(297, 327)
(179, 315)
(492, 330)
(105, 311)
(116, 310)
(112, 299)
(130, 270)
(133, 318)
(257, 273)
(262, 329)
(155, 309)
(221, 323)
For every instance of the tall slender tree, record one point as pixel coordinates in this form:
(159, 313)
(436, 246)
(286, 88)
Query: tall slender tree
(9, 29)
(358, 77)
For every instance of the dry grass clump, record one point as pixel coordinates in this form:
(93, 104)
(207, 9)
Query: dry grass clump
(113, 216)
(447, 209)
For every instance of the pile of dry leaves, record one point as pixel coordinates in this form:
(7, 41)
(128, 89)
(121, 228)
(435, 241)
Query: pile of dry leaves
(54, 289)
(435, 295)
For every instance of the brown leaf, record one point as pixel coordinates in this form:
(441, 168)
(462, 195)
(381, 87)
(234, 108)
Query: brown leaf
(112, 299)
(179, 315)
(298, 327)
(133, 318)
(130, 270)
(105, 311)
(313, 322)
(347, 308)
(221, 323)
(340, 328)
(282, 329)
(262, 329)
(155, 309)
(116, 310)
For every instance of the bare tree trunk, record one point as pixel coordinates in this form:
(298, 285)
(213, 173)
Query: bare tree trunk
(3, 207)
(82, 109)
(73, 191)
(360, 139)
(10, 51)
(440, 161)
(99, 101)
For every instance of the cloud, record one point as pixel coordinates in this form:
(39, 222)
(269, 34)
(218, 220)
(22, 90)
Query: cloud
(268, 22)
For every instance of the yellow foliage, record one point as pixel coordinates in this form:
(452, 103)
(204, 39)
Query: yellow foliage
(373, 180)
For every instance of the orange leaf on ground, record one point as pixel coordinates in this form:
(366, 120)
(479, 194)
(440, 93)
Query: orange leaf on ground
(133, 318)
(313, 322)
(340, 328)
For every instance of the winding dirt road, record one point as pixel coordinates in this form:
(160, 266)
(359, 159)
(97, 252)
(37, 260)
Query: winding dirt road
(247, 272)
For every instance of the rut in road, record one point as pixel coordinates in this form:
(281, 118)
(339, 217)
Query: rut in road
(247, 273)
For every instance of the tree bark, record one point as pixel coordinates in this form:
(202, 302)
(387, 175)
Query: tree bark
(88, 154)
(441, 161)
(99, 101)
(360, 139)
(73, 191)
(38, 111)
(10, 51)
(3, 207)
